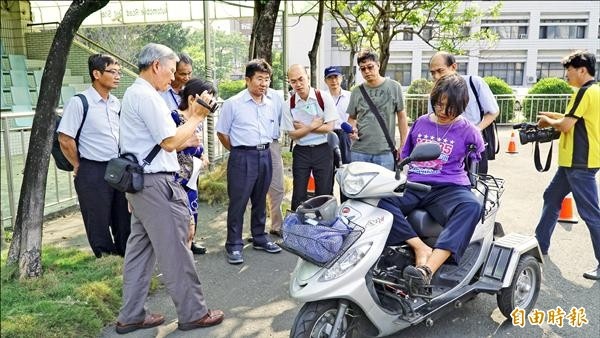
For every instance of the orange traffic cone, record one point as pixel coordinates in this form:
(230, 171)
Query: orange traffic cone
(512, 145)
(310, 189)
(566, 211)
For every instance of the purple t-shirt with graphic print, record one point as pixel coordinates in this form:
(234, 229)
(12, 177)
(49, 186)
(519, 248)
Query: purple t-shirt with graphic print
(453, 138)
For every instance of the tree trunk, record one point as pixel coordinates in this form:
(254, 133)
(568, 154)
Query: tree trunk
(350, 73)
(263, 26)
(312, 55)
(26, 246)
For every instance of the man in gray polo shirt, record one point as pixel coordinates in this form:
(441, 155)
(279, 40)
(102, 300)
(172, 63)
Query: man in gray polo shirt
(160, 215)
(104, 209)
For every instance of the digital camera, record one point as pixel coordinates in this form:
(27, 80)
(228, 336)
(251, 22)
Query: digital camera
(532, 133)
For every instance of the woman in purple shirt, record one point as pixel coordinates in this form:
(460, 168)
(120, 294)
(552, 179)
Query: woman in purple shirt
(450, 201)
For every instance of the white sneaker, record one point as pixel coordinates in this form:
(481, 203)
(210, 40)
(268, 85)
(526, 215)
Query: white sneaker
(593, 274)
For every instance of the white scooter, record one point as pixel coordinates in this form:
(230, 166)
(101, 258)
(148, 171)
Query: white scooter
(361, 292)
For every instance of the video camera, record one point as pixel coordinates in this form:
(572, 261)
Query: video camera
(212, 106)
(529, 132)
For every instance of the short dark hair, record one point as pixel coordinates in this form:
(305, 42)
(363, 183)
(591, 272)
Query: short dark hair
(366, 55)
(100, 62)
(580, 59)
(184, 58)
(195, 86)
(449, 59)
(454, 88)
(258, 65)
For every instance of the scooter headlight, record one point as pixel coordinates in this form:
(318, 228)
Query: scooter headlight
(353, 184)
(346, 262)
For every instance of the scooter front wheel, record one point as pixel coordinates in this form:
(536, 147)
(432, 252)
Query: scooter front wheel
(524, 289)
(316, 320)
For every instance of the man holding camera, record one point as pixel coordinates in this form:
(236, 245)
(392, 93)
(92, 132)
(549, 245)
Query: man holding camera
(578, 154)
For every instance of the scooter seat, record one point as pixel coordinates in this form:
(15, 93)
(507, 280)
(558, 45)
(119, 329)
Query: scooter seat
(423, 224)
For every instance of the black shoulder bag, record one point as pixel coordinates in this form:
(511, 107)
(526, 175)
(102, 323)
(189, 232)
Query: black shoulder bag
(489, 133)
(381, 124)
(125, 174)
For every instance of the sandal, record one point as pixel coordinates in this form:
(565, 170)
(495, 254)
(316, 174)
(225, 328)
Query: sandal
(419, 276)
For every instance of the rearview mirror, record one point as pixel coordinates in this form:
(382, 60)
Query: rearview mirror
(425, 152)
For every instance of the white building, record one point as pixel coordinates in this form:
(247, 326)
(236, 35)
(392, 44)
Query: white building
(533, 38)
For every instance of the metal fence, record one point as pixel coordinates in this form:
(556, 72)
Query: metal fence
(513, 109)
(60, 192)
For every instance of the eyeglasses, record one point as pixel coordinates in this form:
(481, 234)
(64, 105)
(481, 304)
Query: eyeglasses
(114, 72)
(365, 68)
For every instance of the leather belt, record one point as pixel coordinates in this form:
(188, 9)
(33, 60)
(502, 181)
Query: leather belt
(258, 147)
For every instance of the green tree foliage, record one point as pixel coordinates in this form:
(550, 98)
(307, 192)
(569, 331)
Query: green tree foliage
(441, 24)
(506, 98)
(228, 88)
(229, 53)
(278, 78)
(536, 103)
(127, 41)
(417, 106)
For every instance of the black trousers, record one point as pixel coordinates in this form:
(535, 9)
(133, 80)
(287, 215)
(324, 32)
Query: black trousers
(319, 160)
(103, 208)
(249, 175)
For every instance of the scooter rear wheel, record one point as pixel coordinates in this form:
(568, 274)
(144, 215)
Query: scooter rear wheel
(524, 288)
(316, 319)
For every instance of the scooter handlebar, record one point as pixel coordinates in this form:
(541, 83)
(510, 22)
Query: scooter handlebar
(418, 186)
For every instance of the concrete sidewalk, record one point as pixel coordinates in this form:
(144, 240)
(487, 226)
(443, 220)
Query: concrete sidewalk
(255, 297)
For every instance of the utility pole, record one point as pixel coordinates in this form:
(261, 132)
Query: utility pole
(284, 49)
(210, 119)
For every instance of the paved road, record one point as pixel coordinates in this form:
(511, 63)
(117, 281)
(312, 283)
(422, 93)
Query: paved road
(255, 295)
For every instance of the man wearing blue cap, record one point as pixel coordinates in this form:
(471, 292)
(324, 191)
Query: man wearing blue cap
(341, 98)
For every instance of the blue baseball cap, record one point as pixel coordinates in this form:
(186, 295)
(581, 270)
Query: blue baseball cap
(332, 70)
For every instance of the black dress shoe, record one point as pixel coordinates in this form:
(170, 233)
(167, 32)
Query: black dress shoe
(198, 249)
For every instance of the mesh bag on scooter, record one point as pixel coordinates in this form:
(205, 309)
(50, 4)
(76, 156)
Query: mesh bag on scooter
(317, 243)
(314, 232)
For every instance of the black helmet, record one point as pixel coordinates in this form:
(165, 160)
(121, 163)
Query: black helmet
(320, 208)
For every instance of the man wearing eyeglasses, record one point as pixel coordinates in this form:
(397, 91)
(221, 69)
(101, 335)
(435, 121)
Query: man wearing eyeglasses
(103, 208)
(307, 118)
(183, 73)
(369, 140)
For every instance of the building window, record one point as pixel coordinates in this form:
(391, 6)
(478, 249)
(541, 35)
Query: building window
(510, 72)
(399, 72)
(563, 28)
(425, 74)
(334, 37)
(508, 32)
(550, 69)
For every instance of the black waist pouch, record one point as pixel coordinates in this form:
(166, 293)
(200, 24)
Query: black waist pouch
(125, 174)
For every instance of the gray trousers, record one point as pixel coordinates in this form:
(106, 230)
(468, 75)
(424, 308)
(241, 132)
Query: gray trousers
(276, 191)
(159, 229)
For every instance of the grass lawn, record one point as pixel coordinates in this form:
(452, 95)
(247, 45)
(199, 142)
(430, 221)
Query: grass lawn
(77, 296)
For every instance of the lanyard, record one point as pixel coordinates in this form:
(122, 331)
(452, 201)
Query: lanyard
(173, 96)
(338, 100)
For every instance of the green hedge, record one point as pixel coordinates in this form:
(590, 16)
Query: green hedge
(416, 107)
(506, 103)
(228, 89)
(550, 85)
